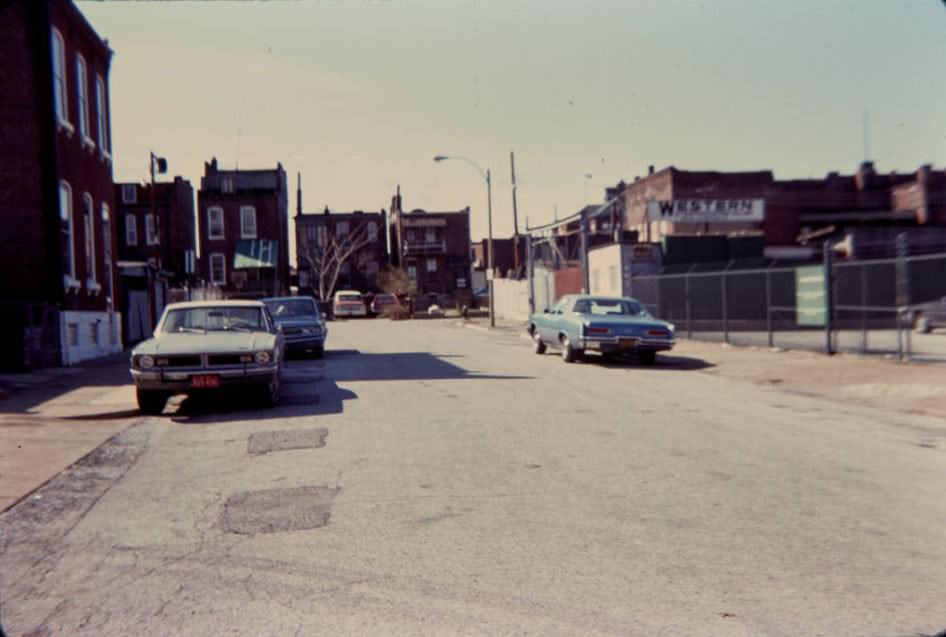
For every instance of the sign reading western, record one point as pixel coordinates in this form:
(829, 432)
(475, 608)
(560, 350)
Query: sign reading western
(706, 210)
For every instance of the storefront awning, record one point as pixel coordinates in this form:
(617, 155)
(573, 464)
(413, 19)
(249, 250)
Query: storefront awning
(256, 253)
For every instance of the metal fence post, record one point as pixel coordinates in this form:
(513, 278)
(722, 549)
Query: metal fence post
(531, 274)
(864, 307)
(723, 277)
(686, 295)
(768, 304)
(903, 291)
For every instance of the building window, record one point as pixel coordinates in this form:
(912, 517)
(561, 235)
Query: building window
(107, 249)
(341, 230)
(412, 272)
(94, 332)
(101, 114)
(431, 265)
(129, 193)
(310, 233)
(131, 230)
(73, 330)
(215, 223)
(247, 222)
(430, 236)
(89, 243)
(372, 231)
(323, 236)
(344, 268)
(152, 238)
(227, 185)
(218, 269)
(60, 96)
(82, 92)
(68, 233)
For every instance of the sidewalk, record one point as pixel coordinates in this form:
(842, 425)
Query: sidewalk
(51, 418)
(912, 387)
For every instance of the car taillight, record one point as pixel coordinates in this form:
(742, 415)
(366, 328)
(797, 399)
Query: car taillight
(660, 333)
(598, 331)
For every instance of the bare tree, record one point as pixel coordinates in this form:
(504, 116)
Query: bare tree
(396, 281)
(327, 257)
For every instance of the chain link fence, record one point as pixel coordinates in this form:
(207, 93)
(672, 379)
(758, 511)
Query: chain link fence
(870, 308)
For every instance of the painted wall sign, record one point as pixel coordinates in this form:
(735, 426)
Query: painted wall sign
(810, 306)
(704, 210)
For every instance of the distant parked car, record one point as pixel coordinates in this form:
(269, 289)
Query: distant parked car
(382, 301)
(302, 324)
(204, 345)
(349, 303)
(609, 325)
(926, 317)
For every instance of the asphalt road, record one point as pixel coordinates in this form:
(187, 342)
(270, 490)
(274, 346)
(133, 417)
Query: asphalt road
(430, 479)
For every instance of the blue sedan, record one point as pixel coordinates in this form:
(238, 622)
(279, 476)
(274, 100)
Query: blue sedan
(610, 325)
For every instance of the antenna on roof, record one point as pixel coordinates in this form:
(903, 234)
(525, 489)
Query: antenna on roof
(866, 131)
(246, 81)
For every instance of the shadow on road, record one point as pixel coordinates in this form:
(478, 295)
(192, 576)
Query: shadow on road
(404, 366)
(664, 362)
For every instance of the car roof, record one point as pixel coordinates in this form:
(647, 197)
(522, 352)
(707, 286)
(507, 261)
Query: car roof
(217, 303)
(280, 299)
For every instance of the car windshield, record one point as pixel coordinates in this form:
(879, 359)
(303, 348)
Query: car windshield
(216, 318)
(601, 307)
(292, 308)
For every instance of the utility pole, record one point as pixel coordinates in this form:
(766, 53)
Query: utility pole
(515, 216)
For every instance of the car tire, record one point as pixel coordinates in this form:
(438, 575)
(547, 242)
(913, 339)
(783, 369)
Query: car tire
(647, 358)
(922, 324)
(537, 345)
(269, 393)
(569, 353)
(151, 402)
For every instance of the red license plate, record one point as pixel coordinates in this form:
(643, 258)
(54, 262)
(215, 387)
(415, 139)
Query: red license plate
(205, 381)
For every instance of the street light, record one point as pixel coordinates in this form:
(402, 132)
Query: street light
(489, 207)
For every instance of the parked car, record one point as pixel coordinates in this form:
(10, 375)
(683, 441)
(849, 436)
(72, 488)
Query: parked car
(349, 303)
(206, 345)
(302, 324)
(381, 301)
(926, 317)
(608, 325)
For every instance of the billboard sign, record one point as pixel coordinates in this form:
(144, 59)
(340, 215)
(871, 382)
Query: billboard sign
(707, 210)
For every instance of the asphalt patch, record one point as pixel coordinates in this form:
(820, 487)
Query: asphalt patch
(267, 441)
(278, 510)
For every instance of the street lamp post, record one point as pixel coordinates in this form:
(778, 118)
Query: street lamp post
(489, 207)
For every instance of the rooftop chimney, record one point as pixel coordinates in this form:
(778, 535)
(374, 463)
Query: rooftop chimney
(650, 169)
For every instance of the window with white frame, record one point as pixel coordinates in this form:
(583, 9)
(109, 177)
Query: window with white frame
(341, 230)
(431, 265)
(215, 223)
(372, 231)
(247, 222)
(82, 92)
(311, 233)
(227, 185)
(68, 232)
(94, 332)
(218, 269)
(60, 96)
(89, 242)
(152, 238)
(412, 272)
(129, 193)
(107, 249)
(131, 229)
(101, 114)
(323, 236)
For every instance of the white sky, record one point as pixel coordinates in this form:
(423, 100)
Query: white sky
(359, 96)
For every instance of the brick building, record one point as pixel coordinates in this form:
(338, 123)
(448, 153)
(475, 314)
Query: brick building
(156, 240)
(434, 249)
(57, 250)
(323, 237)
(243, 221)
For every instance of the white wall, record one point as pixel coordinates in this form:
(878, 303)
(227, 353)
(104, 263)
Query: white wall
(511, 299)
(605, 271)
(80, 325)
